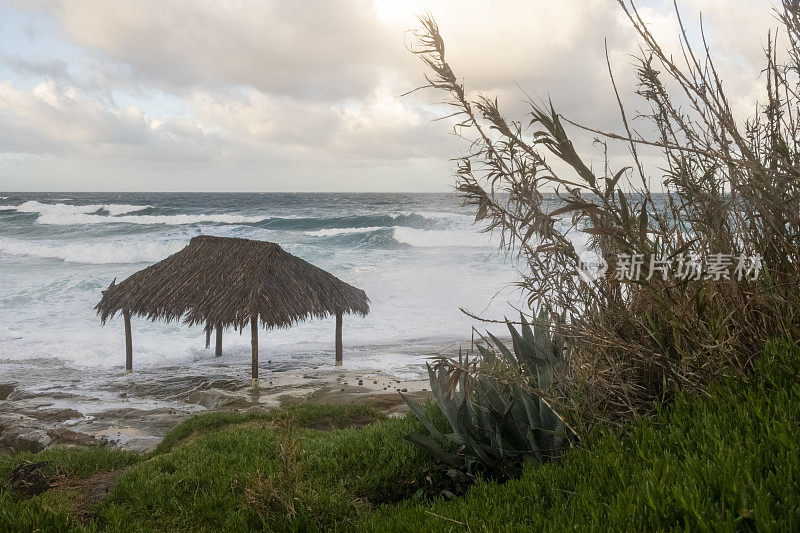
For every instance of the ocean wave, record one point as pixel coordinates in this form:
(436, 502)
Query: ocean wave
(381, 237)
(332, 232)
(32, 206)
(110, 252)
(170, 220)
(447, 216)
(68, 215)
(442, 238)
(346, 222)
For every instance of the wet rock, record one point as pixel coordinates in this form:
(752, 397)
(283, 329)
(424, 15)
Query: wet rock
(57, 415)
(214, 399)
(13, 419)
(142, 445)
(25, 439)
(70, 438)
(6, 389)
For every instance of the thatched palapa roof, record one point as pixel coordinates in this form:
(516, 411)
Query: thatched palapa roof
(225, 281)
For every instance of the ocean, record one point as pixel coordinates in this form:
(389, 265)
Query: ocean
(419, 257)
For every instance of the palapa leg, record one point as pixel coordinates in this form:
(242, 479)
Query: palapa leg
(254, 343)
(338, 338)
(218, 350)
(208, 336)
(128, 342)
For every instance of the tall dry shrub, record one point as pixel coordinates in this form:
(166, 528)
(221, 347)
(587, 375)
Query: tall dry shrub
(730, 187)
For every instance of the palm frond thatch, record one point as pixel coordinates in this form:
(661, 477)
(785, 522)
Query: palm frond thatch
(225, 281)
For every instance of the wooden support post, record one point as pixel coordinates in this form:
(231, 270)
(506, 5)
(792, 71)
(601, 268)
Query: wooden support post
(338, 339)
(218, 351)
(128, 342)
(254, 343)
(208, 336)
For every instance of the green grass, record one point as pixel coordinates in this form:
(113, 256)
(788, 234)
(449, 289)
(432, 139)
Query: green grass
(79, 463)
(52, 510)
(729, 461)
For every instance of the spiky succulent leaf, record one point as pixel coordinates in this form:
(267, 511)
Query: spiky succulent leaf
(497, 426)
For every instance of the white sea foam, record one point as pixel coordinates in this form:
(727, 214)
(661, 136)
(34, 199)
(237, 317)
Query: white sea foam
(442, 238)
(330, 232)
(68, 215)
(108, 252)
(171, 220)
(445, 215)
(33, 206)
(419, 238)
(457, 219)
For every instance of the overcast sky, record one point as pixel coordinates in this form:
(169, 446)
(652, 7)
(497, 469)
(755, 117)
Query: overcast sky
(205, 95)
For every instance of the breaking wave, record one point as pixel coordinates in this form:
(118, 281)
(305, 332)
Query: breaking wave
(401, 235)
(32, 206)
(109, 252)
(443, 238)
(67, 215)
(332, 232)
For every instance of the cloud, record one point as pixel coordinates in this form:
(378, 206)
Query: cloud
(63, 121)
(311, 91)
(317, 49)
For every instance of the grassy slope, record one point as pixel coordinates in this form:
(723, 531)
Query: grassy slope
(729, 461)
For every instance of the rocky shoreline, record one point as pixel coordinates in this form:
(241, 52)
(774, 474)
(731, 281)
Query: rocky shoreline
(38, 420)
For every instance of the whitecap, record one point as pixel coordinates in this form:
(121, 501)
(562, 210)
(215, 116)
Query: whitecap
(108, 252)
(68, 215)
(69, 219)
(330, 232)
(442, 238)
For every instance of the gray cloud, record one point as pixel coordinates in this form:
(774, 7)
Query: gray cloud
(282, 95)
(316, 49)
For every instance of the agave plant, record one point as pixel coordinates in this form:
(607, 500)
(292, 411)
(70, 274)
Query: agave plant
(496, 419)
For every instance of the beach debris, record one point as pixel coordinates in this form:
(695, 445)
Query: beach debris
(30, 479)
